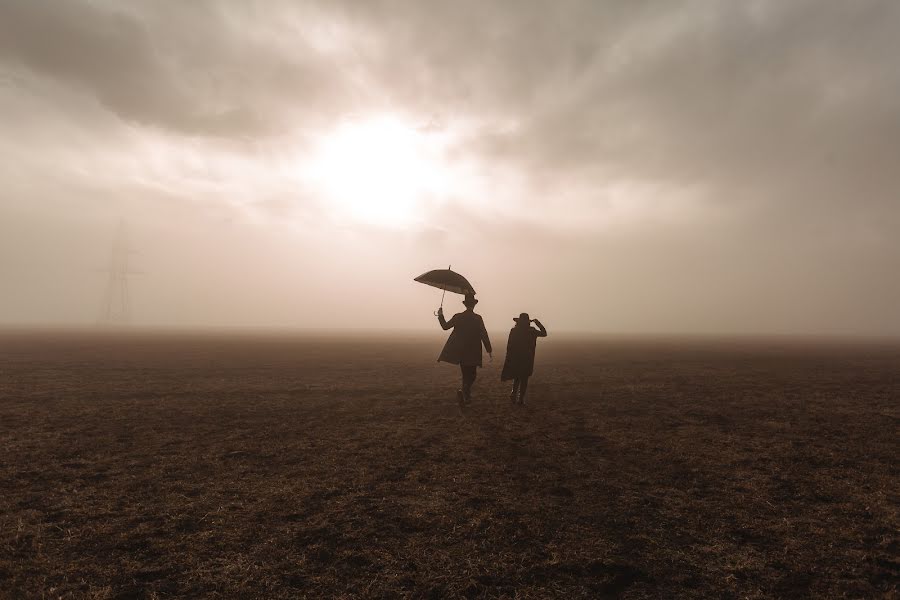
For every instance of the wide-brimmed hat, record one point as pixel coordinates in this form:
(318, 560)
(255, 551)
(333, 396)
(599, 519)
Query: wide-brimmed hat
(470, 300)
(523, 318)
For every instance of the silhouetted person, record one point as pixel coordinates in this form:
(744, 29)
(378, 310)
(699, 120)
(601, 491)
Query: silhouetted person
(463, 347)
(519, 362)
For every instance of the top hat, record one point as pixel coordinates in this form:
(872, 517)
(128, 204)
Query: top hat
(470, 300)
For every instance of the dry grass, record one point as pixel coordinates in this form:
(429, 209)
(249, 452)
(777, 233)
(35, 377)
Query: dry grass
(164, 466)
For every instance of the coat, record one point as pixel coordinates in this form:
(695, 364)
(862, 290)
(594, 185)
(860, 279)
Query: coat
(520, 348)
(463, 347)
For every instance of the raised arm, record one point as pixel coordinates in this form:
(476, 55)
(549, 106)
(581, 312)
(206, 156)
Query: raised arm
(445, 325)
(541, 331)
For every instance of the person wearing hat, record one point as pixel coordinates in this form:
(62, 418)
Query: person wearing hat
(519, 362)
(463, 347)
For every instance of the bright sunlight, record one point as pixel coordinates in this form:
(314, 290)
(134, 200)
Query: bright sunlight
(380, 171)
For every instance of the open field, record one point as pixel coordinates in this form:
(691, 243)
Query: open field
(199, 465)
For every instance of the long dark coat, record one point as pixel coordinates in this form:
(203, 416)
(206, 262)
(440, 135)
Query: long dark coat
(519, 361)
(463, 347)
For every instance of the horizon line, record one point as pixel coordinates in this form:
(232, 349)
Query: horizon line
(406, 331)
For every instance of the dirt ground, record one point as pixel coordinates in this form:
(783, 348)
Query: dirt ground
(240, 466)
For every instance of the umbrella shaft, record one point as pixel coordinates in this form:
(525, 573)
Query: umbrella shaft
(444, 293)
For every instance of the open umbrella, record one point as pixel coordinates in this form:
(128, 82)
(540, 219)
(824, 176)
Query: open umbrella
(447, 280)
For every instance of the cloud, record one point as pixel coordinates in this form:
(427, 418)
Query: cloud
(698, 151)
(769, 95)
(191, 69)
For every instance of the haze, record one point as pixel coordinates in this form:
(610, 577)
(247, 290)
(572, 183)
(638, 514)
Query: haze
(644, 167)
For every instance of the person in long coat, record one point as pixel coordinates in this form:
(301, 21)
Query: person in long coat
(519, 362)
(463, 347)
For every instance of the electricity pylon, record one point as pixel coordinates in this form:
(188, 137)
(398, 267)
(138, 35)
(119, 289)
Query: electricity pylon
(116, 308)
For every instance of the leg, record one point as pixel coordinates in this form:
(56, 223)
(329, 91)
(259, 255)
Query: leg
(515, 391)
(468, 374)
(523, 387)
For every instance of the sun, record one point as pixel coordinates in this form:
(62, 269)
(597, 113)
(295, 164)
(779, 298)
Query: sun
(380, 171)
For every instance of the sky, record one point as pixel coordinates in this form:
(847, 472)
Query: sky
(657, 167)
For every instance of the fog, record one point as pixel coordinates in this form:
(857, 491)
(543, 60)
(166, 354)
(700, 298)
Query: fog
(705, 166)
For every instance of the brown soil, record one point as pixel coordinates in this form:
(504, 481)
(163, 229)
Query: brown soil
(153, 466)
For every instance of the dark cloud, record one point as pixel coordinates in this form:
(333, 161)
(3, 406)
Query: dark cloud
(179, 66)
(730, 94)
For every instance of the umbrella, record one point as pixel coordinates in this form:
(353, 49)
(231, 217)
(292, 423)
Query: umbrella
(447, 280)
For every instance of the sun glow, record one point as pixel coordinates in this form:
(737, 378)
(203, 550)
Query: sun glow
(380, 171)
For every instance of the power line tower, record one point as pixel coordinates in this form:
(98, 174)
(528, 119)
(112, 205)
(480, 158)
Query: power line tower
(116, 310)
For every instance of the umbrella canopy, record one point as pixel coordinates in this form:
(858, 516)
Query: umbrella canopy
(447, 280)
